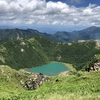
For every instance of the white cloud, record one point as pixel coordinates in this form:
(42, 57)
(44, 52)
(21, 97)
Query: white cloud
(77, 1)
(52, 13)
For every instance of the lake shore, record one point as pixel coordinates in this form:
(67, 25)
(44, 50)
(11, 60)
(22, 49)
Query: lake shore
(71, 68)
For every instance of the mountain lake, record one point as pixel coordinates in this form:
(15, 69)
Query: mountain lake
(51, 69)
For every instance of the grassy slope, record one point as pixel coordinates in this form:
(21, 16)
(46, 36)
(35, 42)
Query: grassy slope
(84, 86)
(81, 85)
(9, 83)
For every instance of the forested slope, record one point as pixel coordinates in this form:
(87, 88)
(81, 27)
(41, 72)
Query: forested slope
(38, 51)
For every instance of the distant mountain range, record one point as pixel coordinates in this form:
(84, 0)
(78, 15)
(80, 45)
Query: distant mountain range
(19, 34)
(60, 36)
(85, 34)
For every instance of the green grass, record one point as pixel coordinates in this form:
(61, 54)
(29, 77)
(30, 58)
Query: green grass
(77, 86)
(70, 66)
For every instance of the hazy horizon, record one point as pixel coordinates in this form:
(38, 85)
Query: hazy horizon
(50, 15)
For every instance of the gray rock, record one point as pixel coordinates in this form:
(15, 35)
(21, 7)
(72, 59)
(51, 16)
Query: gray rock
(36, 82)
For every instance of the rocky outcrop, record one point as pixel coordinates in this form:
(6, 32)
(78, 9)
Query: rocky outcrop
(97, 43)
(33, 82)
(96, 66)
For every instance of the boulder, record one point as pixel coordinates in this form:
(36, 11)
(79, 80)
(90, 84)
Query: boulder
(34, 83)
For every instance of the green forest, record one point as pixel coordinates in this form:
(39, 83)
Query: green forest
(37, 51)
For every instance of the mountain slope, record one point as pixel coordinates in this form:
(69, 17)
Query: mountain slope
(37, 51)
(87, 34)
(62, 36)
(81, 85)
(91, 33)
(18, 34)
(22, 54)
(8, 81)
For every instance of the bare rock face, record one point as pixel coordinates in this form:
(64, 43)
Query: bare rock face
(33, 83)
(97, 43)
(95, 67)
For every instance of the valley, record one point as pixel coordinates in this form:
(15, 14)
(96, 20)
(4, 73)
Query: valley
(18, 54)
(49, 49)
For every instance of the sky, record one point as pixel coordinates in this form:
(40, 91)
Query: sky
(50, 15)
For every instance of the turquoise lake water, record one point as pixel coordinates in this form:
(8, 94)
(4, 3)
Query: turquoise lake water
(50, 69)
